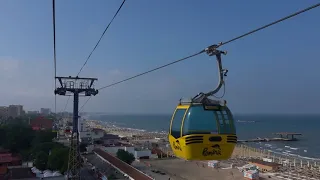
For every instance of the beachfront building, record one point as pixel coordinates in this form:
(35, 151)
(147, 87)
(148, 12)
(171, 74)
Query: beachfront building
(85, 135)
(142, 154)
(138, 153)
(88, 135)
(97, 133)
(110, 139)
(113, 149)
(265, 166)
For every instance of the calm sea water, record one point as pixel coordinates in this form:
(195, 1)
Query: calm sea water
(309, 125)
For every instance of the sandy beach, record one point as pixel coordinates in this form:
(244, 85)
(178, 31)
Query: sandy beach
(181, 170)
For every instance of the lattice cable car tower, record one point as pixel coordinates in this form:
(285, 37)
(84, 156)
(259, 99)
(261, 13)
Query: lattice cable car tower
(77, 87)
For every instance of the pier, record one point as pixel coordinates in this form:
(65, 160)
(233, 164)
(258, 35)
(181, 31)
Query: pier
(287, 134)
(284, 136)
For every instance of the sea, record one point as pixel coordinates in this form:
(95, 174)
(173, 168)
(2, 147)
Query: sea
(248, 127)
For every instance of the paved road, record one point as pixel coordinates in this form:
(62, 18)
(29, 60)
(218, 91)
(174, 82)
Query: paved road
(85, 174)
(148, 170)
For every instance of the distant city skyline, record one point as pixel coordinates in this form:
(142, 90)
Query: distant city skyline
(273, 71)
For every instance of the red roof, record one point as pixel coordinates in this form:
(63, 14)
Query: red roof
(124, 167)
(5, 158)
(35, 128)
(8, 158)
(41, 122)
(3, 170)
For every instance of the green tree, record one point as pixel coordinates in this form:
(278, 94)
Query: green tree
(41, 160)
(112, 176)
(3, 135)
(18, 121)
(43, 136)
(125, 156)
(58, 159)
(45, 147)
(18, 137)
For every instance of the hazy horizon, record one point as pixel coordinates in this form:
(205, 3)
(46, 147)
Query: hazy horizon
(253, 114)
(272, 71)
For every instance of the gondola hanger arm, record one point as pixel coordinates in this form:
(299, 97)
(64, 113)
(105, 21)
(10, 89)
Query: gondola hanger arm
(213, 51)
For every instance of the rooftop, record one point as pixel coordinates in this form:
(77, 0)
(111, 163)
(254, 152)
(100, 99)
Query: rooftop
(257, 161)
(41, 122)
(117, 145)
(122, 166)
(97, 129)
(3, 170)
(8, 157)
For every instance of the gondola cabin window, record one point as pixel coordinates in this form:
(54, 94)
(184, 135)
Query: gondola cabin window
(226, 125)
(176, 123)
(199, 121)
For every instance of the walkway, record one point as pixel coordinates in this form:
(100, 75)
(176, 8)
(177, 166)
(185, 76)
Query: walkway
(122, 166)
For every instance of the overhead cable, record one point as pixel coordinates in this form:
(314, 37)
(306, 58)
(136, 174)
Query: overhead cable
(223, 43)
(54, 54)
(65, 107)
(80, 110)
(97, 46)
(160, 67)
(220, 44)
(105, 30)
(273, 23)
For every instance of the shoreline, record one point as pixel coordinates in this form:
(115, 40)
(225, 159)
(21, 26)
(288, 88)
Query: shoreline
(175, 167)
(143, 134)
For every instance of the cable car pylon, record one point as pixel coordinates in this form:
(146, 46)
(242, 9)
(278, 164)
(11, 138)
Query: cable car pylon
(77, 87)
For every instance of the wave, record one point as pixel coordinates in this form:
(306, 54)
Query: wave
(296, 155)
(292, 148)
(286, 151)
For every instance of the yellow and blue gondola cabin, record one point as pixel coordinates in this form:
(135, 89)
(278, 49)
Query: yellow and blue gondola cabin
(202, 131)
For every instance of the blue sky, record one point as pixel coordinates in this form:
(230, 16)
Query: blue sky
(272, 71)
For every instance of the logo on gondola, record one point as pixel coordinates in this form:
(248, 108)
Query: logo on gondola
(211, 151)
(176, 145)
